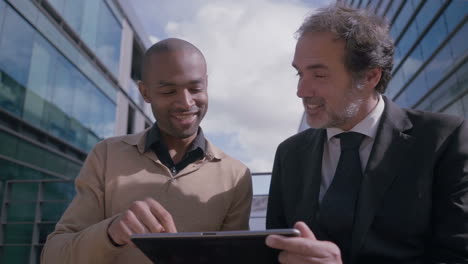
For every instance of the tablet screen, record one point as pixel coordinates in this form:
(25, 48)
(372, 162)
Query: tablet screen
(210, 247)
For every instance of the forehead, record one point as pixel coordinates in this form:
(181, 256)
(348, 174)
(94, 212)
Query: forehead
(319, 47)
(177, 63)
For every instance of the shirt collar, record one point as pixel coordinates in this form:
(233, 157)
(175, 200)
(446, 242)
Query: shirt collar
(154, 137)
(368, 126)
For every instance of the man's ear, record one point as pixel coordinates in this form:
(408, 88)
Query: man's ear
(143, 91)
(372, 77)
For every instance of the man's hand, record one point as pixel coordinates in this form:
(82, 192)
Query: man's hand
(304, 249)
(146, 216)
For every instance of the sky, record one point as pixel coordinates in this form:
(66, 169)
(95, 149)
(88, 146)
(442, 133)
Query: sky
(248, 46)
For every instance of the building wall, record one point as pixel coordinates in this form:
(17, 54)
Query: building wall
(65, 84)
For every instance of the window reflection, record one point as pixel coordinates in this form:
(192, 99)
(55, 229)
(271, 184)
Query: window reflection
(40, 85)
(456, 11)
(17, 47)
(394, 5)
(433, 38)
(95, 23)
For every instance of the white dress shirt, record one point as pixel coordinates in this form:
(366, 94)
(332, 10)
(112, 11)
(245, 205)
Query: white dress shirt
(331, 149)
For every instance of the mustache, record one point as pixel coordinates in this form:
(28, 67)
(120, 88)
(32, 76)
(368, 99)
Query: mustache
(313, 100)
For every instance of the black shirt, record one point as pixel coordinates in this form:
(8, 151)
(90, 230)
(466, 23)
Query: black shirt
(195, 152)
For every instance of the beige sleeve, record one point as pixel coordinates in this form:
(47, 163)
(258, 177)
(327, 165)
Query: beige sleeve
(238, 215)
(80, 236)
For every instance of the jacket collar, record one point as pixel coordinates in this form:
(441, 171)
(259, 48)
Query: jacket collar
(139, 140)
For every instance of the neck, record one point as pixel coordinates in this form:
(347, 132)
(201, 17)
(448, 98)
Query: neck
(177, 147)
(366, 107)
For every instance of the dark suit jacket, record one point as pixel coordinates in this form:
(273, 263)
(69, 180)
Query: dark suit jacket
(413, 202)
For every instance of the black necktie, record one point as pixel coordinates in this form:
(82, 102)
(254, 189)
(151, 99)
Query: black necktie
(336, 215)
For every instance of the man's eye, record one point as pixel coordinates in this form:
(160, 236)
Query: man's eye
(167, 92)
(299, 74)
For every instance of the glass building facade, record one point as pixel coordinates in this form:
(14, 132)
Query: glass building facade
(67, 80)
(431, 70)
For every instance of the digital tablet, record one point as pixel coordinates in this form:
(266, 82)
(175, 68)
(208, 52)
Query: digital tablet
(240, 247)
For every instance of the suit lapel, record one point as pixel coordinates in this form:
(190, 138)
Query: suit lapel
(389, 143)
(310, 172)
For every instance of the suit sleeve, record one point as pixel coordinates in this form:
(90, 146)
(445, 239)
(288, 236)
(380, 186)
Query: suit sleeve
(275, 213)
(239, 212)
(450, 204)
(80, 236)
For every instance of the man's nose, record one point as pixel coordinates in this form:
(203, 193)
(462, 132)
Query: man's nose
(304, 89)
(185, 99)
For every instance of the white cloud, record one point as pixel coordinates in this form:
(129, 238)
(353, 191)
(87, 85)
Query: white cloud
(249, 47)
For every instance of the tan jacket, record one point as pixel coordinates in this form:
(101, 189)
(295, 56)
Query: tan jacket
(211, 194)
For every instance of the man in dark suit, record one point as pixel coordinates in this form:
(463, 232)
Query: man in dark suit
(370, 182)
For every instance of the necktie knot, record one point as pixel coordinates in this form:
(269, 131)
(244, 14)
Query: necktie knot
(350, 140)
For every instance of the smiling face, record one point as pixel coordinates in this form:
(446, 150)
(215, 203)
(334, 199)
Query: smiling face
(330, 96)
(176, 87)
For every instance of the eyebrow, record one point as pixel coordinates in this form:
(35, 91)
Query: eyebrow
(162, 83)
(314, 66)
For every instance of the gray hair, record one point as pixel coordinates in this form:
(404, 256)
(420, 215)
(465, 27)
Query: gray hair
(368, 43)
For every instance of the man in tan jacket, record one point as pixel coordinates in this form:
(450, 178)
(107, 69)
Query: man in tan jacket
(168, 178)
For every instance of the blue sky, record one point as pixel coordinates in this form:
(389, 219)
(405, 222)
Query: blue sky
(249, 45)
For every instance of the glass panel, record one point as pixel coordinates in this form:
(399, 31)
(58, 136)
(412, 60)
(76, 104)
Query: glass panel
(31, 174)
(23, 191)
(416, 90)
(456, 108)
(395, 85)
(55, 163)
(44, 231)
(408, 39)
(412, 64)
(21, 212)
(108, 109)
(17, 47)
(458, 43)
(402, 101)
(30, 153)
(2, 9)
(462, 75)
(465, 105)
(52, 211)
(394, 5)
(38, 81)
(8, 144)
(57, 121)
(18, 233)
(11, 94)
(15, 254)
(439, 66)
(426, 14)
(58, 190)
(73, 169)
(440, 97)
(73, 14)
(433, 38)
(108, 39)
(455, 12)
(402, 19)
(59, 5)
(9, 170)
(90, 22)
